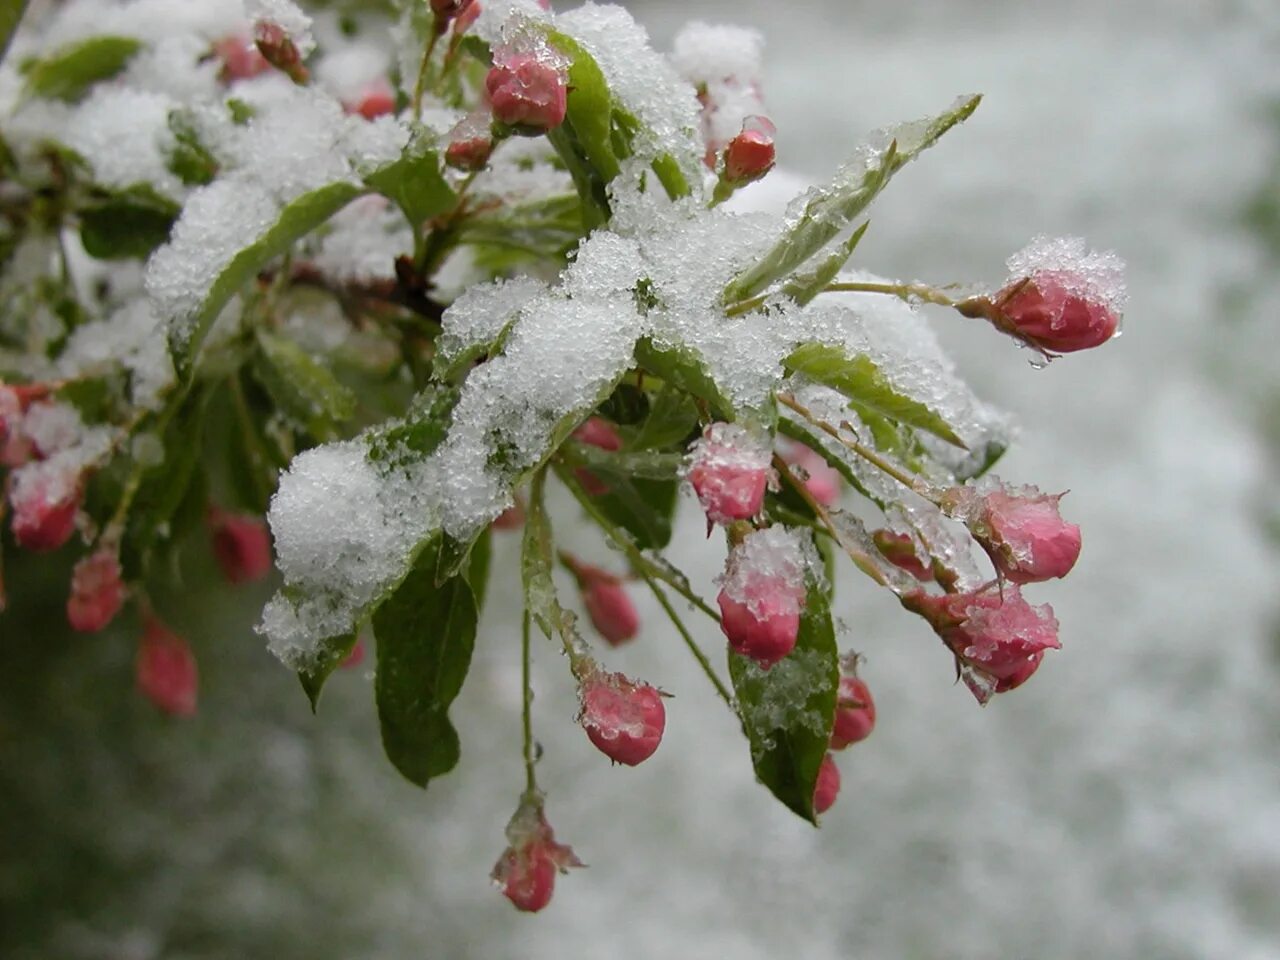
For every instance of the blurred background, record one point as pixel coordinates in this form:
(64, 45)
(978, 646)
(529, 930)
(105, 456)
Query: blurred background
(1124, 804)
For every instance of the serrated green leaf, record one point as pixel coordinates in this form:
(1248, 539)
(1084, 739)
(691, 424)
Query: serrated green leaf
(68, 72)
(416, 182)
(859, 379)
(681, 367)
(426, 635)
(333, 651)
(296, 220)
(833, 207)
(302, 388)
(11, 12)
(672, 418)
(787, 711)
(128, 223)
(807, 284)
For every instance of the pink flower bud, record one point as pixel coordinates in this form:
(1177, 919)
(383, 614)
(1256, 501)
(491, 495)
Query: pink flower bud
(900, 550)
(241, 545)
(448, 9)
(97, 592)
(612, 613)
(596, 432)
(511, 518)
(165, 670)
(44, 509)
(1043, 310)
(1020, 529)
(279, 50)
(855, 713)
(240, 58)
(750, 155)
(993, 632)
(527, 93)
(763, 592)
(377, 100)
(623, 719)
(471, 154)
(729, 471)
(827, 787)
(469, 14)
(355, 657)
(526, 871)
(820, 478)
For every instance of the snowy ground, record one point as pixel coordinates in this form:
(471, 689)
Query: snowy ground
(1125, 804)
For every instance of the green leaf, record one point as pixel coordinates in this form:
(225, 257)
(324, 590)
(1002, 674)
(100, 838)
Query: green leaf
(296, 220)
(672, 418)
(680, 366)
(68, 72)
(189, 159)
(426, 634)
(129, 223)
(787, 710)
(477, 572)
(588, 107)
(302, 388)
(806, 285)
(11, 12)
(859, 379)
(163, 487)
(415, 181)
(833, 207)
(422, 428)
(644, 508)
(333, 651)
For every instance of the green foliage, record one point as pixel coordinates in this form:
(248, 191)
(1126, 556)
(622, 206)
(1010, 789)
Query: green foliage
(414, 182)
(126, 224)
(426, 634)
(302, 388)
(787, 711)
(11, 12)
(68, 73)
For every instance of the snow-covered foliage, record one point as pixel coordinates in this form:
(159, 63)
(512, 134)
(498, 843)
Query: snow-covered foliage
(582, 307)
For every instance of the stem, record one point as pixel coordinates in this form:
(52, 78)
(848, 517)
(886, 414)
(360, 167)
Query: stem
(420, 87)
(861, 560)
(903, 291)
(530, 779)
(905, 478)
(689, 642)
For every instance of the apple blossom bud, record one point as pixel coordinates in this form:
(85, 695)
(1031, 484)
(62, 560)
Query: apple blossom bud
(45, 506)
(527, 93)
(165, 670)
(377, 100)
(900, 550)
(729, 471)
(623, 719)
(1020, 529)
(764, 628)
(279, 50)
(998, 638)
(448, 9)
(470, 143)
(241, 545)
(750, 155)
(526, 871)
(596, 432)
(468, 15)
(821, 480)
(855, 713)
(827, 787)
(97, 592)
(511, 518)
(1043, 310)
(241, 59)
(355, 657)
(612, 613)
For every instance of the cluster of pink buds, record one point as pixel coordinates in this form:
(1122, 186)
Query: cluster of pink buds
(729, 471)
(279, 50)
(470, 143)
(526, 871)
(165, 669)
(596, 432)
(610, 608)
(998, 638)
(762, 595)
(241, 545)
(625, 720)
(1021, 530)
(97, 591)
(527, 90)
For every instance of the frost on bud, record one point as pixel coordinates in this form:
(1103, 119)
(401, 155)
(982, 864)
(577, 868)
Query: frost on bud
(97, 591)
(470, 144)
(596, 432)
(241, 545)
(45, 502)
(280, 50)
(762, 594)
(377, 100)
(526, 871)
(998, 638)
(527, 87)
(623, 719)
(1060, 298)
(610, 608)
(827, 787)
(1020, 529)
(855, 713)
(750, 155)
(729, 471)
(240, 58)
(165, 670)
(900, 550)
(820, 478)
